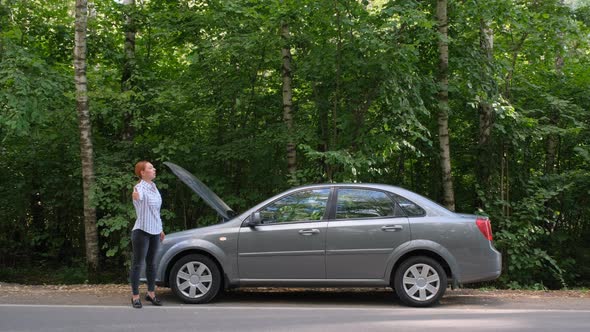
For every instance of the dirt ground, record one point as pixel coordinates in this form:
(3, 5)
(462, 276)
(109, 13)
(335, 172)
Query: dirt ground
(119, 294)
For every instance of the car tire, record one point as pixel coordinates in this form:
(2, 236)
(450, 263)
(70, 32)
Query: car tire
(420, 281)
(195, 279)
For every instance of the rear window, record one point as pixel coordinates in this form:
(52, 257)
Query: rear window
(363, 203)
(409, 207)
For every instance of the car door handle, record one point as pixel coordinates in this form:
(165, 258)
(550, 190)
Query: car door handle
(392, 228)
(308, 232)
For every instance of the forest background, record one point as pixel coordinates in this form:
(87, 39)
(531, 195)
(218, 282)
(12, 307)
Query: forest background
(254, 97)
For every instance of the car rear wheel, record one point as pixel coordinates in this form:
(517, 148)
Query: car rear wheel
(195, 279)
(420, 281)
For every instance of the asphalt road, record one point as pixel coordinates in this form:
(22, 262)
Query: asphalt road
(295, 311)
(288, 318)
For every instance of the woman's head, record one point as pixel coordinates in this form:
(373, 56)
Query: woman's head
(145, 170)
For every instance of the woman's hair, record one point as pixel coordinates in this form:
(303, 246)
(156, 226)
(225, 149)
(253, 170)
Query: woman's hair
(140, 166)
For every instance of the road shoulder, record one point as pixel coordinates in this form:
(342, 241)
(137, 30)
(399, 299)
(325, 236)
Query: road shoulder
(117, 294)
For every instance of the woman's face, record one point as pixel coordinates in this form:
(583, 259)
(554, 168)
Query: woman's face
(149, 172)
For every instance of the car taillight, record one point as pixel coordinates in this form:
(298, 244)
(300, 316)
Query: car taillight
(485, 227)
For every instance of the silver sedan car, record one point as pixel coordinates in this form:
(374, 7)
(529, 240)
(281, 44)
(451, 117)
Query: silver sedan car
(330, 235)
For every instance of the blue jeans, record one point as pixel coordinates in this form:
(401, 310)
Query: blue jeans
(145, 246)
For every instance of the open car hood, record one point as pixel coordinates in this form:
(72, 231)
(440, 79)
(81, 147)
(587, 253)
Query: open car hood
(202, 190)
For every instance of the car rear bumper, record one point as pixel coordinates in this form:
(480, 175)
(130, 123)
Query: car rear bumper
(489, 268)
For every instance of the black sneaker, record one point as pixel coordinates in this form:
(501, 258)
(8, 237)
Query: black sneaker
(136, 303)
(154, 301)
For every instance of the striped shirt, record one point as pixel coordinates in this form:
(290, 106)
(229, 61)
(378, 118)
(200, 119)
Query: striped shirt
(147, 208)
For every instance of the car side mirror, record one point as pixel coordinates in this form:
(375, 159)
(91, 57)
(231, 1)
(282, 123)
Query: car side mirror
(255, 219)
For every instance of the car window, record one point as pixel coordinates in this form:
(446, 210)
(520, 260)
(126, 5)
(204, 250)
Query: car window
(363, 203)
(411, 208)
(304, 205)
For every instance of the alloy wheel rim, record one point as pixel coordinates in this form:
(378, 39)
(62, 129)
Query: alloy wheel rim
(421, 282)
(194, 280)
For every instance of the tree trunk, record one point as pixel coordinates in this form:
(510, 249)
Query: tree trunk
(552, 138)
(443, 106)
(128, 66)
(323, 107)
(288, 101)
(336, 105)
(551, 146)
(91, 234)
(484, 160)
(3, 11)
(514, 57)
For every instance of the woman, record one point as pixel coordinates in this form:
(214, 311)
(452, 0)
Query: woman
(147, 232)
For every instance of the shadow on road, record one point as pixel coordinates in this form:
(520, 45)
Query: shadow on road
(307, 297)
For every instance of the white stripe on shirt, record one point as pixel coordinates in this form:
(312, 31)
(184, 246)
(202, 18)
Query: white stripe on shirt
(147, 208)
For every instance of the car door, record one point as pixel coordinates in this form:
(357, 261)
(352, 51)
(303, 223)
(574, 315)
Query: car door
(366, 227)
(289, 242)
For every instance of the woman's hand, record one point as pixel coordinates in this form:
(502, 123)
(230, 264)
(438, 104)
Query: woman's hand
(162, 236)
(135, 194)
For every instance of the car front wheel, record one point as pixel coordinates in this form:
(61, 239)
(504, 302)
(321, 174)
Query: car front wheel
(420, 281)
(195, 279)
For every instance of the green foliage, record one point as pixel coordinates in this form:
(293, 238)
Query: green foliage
(206, 93)
(40, 275)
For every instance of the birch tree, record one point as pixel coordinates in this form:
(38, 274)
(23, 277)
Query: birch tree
(86, 153)
(288, 99)
(128, 65)
(486, 42)
(443, 105)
